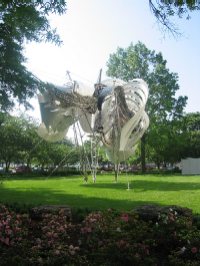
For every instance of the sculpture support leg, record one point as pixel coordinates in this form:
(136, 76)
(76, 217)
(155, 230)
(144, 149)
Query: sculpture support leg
(143, 155)
(116, 171)
(94, 175)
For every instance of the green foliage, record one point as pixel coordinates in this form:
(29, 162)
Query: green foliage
(22, 145)
(22, 21)
(166, 143)
(11, 130)
(191, 133)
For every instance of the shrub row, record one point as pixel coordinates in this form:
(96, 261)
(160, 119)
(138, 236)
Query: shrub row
(170, 236)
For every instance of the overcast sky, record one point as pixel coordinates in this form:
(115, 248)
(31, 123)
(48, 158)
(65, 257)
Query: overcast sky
(93, 29)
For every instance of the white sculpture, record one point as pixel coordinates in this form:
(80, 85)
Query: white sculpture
(114, 114)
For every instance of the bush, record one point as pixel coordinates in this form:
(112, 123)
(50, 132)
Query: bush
(171, 236)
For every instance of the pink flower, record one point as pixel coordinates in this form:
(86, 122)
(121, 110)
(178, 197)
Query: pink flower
(49, 234)
(86, 230)
(89, 229)
(7, 241)
(9, 232)
(171, 217)
(34, 248)
(72, 252)
(125, 217)
(17, 229)
(38, 241)
(55, 235)
(40, 260)
(62, 229)
(194, 250)
(121, 243)
(137, 255)
(147, 251)
(57, 252)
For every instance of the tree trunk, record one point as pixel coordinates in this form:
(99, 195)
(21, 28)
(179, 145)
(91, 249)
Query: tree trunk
(42, 168)
(28, 163)
(7, 166)
(143, 154)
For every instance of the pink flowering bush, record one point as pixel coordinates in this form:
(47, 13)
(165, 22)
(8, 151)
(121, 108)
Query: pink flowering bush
(54, 240)
(12, 227)
(99, 238)
(115, 238)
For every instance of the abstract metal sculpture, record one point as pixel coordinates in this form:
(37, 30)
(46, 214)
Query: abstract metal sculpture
(114, 114)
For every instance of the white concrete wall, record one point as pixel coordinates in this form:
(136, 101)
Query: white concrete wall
(190, 166)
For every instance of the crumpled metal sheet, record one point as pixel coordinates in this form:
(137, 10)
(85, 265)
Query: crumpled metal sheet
(115, 112)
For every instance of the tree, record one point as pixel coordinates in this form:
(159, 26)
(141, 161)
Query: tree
(137, 61)
(11, 136)
(164, 10)
(41, 155)
(191, 133)
(165, 143)
(22, 21)
(30, 140)
(21, 144)
(63, 153)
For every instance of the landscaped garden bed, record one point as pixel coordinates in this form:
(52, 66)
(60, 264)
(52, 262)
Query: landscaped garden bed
(148, 235)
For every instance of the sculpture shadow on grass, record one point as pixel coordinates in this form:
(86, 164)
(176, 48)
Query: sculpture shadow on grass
(35, 177)
(35, 197)
(143, 185)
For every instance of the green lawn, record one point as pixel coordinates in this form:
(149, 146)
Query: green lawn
(149, 189)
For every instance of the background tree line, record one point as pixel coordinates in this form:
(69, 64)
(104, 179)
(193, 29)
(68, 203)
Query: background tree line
(21, 145)
(165, 144)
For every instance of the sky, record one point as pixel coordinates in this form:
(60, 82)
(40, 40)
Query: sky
(91, 30)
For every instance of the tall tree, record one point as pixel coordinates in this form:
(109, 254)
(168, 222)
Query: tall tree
(22, 21)
(137, 61)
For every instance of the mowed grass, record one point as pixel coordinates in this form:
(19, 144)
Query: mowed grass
(105, 193)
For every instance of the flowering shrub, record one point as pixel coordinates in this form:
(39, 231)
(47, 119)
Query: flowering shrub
(54, 240)
(101, 238)
(12, 229)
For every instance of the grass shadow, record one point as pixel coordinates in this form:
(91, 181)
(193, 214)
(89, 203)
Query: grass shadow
(56, 197)
(146, 185)
(35, 177)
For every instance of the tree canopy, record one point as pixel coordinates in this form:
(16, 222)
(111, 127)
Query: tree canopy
(22, 21)
(165, 10)
(191, 132)
(20, 144)
(27, 20)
